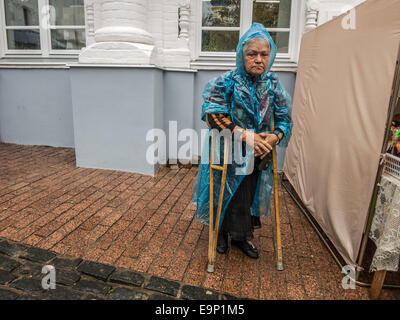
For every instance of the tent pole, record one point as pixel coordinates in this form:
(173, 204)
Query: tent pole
(371, 212)
(392, 105)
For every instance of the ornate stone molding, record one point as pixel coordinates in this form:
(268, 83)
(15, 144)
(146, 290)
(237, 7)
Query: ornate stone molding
(312, 7)
(179, 57)
(89, 12)
(184, 14)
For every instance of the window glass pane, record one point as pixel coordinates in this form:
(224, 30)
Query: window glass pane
(21, 12)
(221, 13)
(23, 39)
(225, 41)
(67, 39)
(67, 13)
(272, 14)
(281, 40)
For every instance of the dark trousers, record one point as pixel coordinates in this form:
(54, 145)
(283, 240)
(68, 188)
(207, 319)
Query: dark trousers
(238, 221)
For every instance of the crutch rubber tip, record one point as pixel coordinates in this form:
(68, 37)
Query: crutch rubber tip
(210, 268)
(279, 266)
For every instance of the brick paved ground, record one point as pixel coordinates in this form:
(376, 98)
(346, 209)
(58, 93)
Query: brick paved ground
(76, 279)
(146, 224)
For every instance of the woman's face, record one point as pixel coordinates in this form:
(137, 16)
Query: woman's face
(256, 58)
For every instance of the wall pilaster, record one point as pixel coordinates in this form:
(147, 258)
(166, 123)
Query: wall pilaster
(121, 37)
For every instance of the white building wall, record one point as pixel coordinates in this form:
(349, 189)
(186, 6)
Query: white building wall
(175, 44)
(328, 9)
(160, 19)
(165, 18)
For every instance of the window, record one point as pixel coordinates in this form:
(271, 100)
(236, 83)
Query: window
(22, 24)
(67, 24)
(275, 16)
(220, 25)
(224, 21)
(43, 27)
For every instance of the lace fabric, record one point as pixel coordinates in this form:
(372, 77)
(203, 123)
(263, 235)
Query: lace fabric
(385, 229)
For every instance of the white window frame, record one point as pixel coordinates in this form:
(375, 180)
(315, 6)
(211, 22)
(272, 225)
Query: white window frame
(297, 21)
(45, 35)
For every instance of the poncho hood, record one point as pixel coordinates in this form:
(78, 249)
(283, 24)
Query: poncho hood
(256, 30)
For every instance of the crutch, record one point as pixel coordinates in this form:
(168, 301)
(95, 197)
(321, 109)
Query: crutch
(213, 229)
(279, 264)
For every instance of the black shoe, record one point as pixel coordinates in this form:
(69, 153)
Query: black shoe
(247, 247)
(222, 243)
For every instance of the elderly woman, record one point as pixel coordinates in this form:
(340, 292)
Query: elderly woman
(248, 101)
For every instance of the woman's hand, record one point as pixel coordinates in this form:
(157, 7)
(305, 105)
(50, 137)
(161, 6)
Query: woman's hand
(270, 139)
(261, 142)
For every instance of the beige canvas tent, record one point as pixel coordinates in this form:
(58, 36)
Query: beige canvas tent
(341, 106)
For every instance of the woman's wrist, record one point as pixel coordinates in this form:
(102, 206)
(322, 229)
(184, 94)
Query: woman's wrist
(279, 135)
(276, 139)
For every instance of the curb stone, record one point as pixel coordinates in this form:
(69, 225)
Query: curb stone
(78, 279)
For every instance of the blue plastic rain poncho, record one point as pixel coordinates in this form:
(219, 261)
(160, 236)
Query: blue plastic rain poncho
(252, 107)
